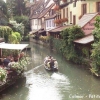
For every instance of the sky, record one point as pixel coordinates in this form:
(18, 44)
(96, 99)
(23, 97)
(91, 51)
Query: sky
(4, 0)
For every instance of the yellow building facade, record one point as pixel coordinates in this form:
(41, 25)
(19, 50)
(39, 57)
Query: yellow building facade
(73, 10)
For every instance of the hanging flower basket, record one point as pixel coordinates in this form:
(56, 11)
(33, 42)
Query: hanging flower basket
(58, 21)
(65, 20)
(3, 74)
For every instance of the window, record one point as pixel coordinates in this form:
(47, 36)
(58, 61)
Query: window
(98, 6)
(63, 13)
(67, 12)
(36, 21)
(70, 17)
(47, 23)
(74, 19)
(84, 9)
(74, 4)
(53, 23)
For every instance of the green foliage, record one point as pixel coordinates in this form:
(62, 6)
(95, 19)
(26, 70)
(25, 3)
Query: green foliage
(26, 38)
(14, 38)
(3, 7)
(21, 65)
(57, 44)
(3, 74)
(18, 36)
(44, 38)
(16, 27)
(5, 31)
(85, 52)
(17, 7)
(25, 21)
(67, 47)
(95, 56)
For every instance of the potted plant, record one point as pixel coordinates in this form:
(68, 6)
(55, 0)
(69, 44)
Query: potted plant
(65, 19)
(3, 74)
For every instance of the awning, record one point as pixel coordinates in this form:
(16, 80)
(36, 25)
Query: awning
(85, 40)
(59, 29)
(13, 46)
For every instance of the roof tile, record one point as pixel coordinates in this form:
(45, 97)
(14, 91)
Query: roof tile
(86, 18)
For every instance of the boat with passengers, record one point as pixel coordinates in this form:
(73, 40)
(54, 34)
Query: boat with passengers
(50, 63)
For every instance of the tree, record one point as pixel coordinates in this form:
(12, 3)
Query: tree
(95, 56)
(17, 7)
(3, 7)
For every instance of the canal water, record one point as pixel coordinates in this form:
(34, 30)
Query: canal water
(71, 82)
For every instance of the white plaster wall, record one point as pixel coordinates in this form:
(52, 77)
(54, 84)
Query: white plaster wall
(52, 26)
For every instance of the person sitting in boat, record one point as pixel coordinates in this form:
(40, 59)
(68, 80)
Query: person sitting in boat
(52, 63)
(11, 62)
(46, 59)
(49, 57)
(21, 55)
(55, 63)
(6, 61)
(48, 64)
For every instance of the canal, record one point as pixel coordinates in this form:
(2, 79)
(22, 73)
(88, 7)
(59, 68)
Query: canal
(71, 82)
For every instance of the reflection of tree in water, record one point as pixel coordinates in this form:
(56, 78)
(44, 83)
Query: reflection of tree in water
(17, 91)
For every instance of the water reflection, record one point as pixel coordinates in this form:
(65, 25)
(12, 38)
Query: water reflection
(46, 86)
(17, 91)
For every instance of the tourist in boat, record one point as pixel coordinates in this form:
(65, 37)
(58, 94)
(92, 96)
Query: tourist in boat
(46, 59)
(6, 61)
(11, 62)
(55, 63)
(21, 55)
(51, 63)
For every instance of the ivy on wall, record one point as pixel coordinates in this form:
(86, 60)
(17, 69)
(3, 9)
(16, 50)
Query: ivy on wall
(68, 47)
(95, 56)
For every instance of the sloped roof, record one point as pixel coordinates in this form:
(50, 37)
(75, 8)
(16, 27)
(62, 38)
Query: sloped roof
(59, 29)
(86, 18)
(46, 10)
(37, 7)
(85, 40)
